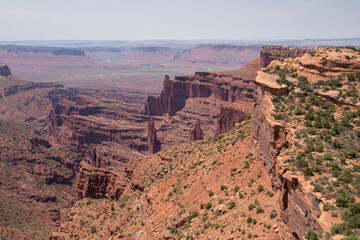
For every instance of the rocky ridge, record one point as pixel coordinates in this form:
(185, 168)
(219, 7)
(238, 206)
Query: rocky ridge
(278, 137)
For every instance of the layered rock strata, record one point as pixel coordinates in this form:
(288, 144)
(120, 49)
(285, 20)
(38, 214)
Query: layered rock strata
(97, 183)
(299, 204)
(201, 84)
(228, 86)
(233, 113)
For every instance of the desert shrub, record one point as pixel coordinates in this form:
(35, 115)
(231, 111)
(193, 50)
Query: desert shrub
(211, 193)
(351, 48)
(308, 171)
(352, 215)
(223, 187)
(241, 196)
(351, 154)
(259, 210)
(318, 188)
(338, 228)
(260, 188)
(319, 147)
(273, 214)
(344, 198)
(270, 194)
(93, 229)
(311, 235)
(298, 111)
(231, 204)
(249, 220)
(251, 207)
(328, 156)
(308, 124)
(311, 131)
(301, 163)
(328, 206)
(345, 176)
(208, 205)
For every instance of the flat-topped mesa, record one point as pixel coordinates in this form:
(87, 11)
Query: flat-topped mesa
(154, 143)
(196, 133)
(5, 71)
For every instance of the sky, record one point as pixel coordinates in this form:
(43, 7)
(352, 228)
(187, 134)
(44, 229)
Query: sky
(22, 20)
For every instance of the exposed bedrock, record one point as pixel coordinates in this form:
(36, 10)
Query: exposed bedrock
(233, 113)
(299, 207)
(94, 182)
(196, 133)
(201, 84)
(228, 86)
(154, 143)
(271, 53)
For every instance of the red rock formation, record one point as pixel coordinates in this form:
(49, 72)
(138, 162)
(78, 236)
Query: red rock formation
(196, 133)
(154, 143)
(271, 53)
(227, 86)
(299, 208)
(80, 120)
(94, 182)
(202, 84)
(233, 113)
(5, 71)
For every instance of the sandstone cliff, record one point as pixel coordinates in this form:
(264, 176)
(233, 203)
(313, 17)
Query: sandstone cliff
(97, 183)
(286, 90)
(233, 113)
(80, 120)
(202, 84)
(229, 86)
(271, 53)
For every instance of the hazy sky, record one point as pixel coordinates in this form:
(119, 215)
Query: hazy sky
(178, 19)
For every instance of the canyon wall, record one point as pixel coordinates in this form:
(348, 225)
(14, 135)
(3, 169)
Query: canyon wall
(271, 53)
(299, 205)
(229, 86)
(201, 84)
(299, 208)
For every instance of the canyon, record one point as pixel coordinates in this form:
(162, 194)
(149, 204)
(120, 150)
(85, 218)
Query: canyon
(196, 161)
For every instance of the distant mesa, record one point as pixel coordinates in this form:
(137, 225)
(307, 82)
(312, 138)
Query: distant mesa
(5, 71)
(57, 51)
